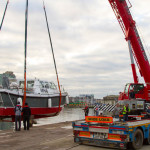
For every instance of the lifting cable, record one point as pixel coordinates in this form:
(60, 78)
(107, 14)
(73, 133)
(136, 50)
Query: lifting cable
(4, 15)
(52, 54)
(25, 51)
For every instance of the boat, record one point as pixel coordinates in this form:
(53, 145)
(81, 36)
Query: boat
(43, 97)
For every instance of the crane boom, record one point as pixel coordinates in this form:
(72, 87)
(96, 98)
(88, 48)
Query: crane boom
(135, 77)
(128, 26)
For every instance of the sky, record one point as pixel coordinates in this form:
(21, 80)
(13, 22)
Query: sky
(92, 56)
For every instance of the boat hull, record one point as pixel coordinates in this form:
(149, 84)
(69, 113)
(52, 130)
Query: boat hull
(39, 104)
(36, 112)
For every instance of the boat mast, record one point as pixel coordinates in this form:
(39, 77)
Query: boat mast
(25, 51)
(52, 54)
(4, 15)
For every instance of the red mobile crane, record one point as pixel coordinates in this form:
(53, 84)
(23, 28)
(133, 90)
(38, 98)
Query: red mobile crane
(98, 131)
(136, 49)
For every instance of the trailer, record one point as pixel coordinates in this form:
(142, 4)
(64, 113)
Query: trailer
(106, 132)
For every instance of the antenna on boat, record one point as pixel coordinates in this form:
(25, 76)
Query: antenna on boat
(4, 15)
(25, 51)
(52, 53)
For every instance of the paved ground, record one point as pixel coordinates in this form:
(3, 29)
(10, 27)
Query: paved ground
(49, 137)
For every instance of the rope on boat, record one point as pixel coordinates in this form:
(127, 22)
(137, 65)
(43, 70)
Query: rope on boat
(4, 15)
(1, 98)
(25, 51)
(52, 53)
(11, 100)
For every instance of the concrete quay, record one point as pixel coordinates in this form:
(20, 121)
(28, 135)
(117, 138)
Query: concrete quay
(47, 137)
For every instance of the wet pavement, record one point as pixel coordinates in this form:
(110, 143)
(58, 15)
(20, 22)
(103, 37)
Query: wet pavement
(47, 137)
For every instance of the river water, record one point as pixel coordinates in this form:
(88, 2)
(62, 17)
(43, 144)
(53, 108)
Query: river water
(67, 114)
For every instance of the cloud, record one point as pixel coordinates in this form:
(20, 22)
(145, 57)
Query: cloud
(90, 50)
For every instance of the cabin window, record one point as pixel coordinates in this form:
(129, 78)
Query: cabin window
(53, 86)
(47, 86)
(126, 88)
(30, 84)
(21, 84)
(136, 87)
(42, 84)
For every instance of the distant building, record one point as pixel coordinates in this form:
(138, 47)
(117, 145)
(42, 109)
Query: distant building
(83, 98)
(87, 98)
(11, 76)
(72, 99)
(110, 99)
(98, 101)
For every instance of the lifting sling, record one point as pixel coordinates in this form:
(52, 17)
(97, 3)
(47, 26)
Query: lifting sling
(52, 54)
(4, 15)
(25, 51)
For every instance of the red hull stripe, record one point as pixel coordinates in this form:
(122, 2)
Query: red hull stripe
(4, 112)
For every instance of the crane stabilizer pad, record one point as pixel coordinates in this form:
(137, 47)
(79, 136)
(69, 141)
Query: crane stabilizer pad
(99, 119)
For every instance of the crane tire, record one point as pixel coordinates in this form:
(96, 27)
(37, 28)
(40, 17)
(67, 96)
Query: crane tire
(147, 141)
(137, 142)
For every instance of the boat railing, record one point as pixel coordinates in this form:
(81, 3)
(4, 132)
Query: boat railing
(20, 89)
(29, 90)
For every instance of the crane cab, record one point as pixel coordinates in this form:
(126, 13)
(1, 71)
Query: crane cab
(133, 91)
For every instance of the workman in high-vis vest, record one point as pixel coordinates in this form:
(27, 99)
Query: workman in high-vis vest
(125, 112)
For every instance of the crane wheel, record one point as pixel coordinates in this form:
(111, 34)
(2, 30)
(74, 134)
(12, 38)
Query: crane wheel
(147, 141)
(137, 139)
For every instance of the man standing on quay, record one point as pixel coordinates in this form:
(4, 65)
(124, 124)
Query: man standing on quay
(26, 116)
(125, 112)
(18, 110)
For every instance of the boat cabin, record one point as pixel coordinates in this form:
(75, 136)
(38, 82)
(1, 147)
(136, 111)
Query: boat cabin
(38, 86)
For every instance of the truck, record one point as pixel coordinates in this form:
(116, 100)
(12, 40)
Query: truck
(103, 131)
